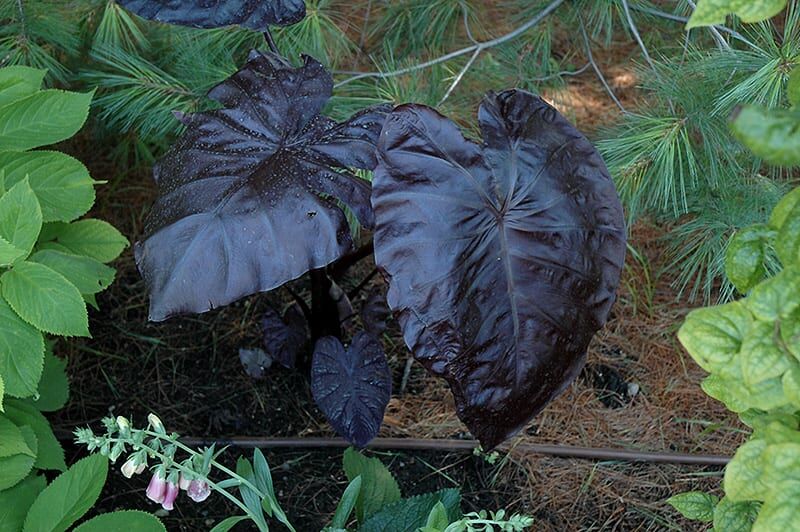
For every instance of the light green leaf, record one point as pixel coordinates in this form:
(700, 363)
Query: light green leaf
(714, 335)
(346, 504)
(793, 87)
(11, 440)
(378, 486)
(228, 523)
(69, 496)
(784, 209)
(20, 217)
(412, 513)
(127, 520)
(775, 298)
(744, 475)
(695, 505)
(9, 253)
(787, 243)
(791, 386)
(43, 118)
(762, 358)
(744, 260)
(61, 183)
(50, 454)
(780, 510)
(17, 82)
(730, 516)
(438, 519)
(764, 395)
(772, 134)
(15, 502)
(94, 238)
(21, 353)
(88, 275)
(45, 299)
(54, 385)
(710, 12)
(15, 468)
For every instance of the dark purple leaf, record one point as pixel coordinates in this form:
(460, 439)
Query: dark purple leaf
(352, 386)
(254, 14)
(284, 338)
(247, 196)
(503, 258)
(255, 362)
(375, 312)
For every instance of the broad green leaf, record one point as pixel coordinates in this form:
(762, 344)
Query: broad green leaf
(793, 87)
(11, 440)
(721, 389)
(730, 516)
(438, 518)
(88, 275)
(744, 260)
(43, 118)
(781, 461)
(20, 217)
(378, 486)
(15, 468)
(714, 335)
(50, 454)
(780, 511)
(772, 134)
(784, 209)
(791, 386)
(17, 82)
(45, 299)
(765, 395)
(21, 353)
(776, 298)
(15, 502)
(710, 12)
(695, 505)
(127, 520)
(69, 496)
(54, 385)
(61, 183)
(228, 523)
(762, 357)
(787, 243)
(94, 238)
(744, 474)
(407, 515)
(9, 253)
(346, 504)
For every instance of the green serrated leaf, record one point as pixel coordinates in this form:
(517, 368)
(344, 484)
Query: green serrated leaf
(744, 259)
(69, 496)
(93, 238)
(20, 217)
(407, 515)
(17, 82)
(88, 275)
(21, 353)
(15, 502)
(710, 12)
(9, 253)
(45, 299)
(11, 440)
(127, 520)
(378, 486)
(714, 335)
(43, 118)
(54, 385)
(61, 183)
(731, 516)
(15, 468)
(695, 505)
(50, 454)
(772, 134)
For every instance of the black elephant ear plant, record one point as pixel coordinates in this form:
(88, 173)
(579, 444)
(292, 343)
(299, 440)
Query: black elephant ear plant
(502, 257)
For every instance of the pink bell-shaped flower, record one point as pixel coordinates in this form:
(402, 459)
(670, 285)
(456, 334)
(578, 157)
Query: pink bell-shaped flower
(157, 489)
(199, 490)
(170, 494)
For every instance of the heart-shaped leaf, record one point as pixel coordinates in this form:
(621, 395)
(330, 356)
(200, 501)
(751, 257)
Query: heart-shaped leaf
(352, 386)
(284, 338)
(248, 194)
(503, 258)
(254, 14)
(255, 362)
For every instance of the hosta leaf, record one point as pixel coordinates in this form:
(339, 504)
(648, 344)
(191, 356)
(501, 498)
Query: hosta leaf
(352, 386)
(709, 12)
(247, 195)
(744, 260)
(43, 118)
(96, 239)
(127, 520)
(772, 134)
(695, 505)
(61, 183)
(21, 353)
(20, 218)
(50, 454)
(503, 258)
(254, 14)
(409, 515)
(88, 275)
(378, 486)
(284, 337)
(17, 82)
(15, 502)
(45, 299)
(15, 468)
(54, 386)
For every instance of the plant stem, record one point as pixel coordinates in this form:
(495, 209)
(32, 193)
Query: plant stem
(271, 42)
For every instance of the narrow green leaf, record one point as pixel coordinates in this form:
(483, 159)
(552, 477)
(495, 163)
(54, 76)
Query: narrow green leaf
(710, 12)
(88, 275)
(127, 520)
(695, 505)
(15, 468)
(438, 519)
(54, 385)
(346, 504)
(61, 183)
(93, 238)
(251, 499)
(50, 454)
(69, 496)
(15, 502)
(20, 217)
(45, 299)
(21, 353)
(228, 523)
(43, 118)
(772, 134)
(11, 440)
(378, 486)
(17, 82)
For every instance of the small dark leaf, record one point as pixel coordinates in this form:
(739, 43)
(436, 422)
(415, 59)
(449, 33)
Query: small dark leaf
(503, 258)
(247, 196)
(255, 362)
(254, 14)
(284, 338)
(352, 386)
(375, 312)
